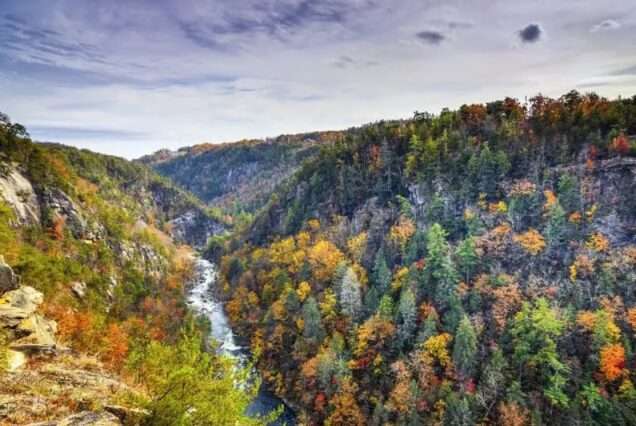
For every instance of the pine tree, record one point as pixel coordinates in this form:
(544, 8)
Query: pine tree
(350, 297)
(465, 348)
(467, 255)
(407, 318)
(312, 323)
(439, 265)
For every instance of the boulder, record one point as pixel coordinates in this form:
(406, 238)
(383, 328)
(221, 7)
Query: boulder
(8, 280)
(127, 415)
(79, 289)
(17, 305)
(15, 360)
(39, 335)
(84, 418)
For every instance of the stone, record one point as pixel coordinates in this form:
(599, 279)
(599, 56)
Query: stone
(84, 418)
(15, 360)
(39, 335)
(8, 280)
(17, 305)
(79, 289)
(127, 415)
(18, 193)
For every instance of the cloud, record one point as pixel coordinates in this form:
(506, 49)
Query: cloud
(43, 45)
(625, 71)
(73, 132)
(607, 25)
(431, 37)
(531, 33)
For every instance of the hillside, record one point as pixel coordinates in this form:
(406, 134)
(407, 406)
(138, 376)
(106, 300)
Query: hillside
(94, 327)
(471, 267)
(238, 176)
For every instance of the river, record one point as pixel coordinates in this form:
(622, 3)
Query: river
(201, 300)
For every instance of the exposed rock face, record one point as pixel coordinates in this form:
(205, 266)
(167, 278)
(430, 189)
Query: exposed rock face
(17, 191)
(8, 280)
(39, 335)
(17, 305)
(30, 331)
(61, 206)
(195, 228)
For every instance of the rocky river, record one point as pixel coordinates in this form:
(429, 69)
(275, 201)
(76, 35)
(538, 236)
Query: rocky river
(201, 299)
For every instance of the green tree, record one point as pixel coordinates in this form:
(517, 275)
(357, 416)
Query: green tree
(439, 266)
(188, 386)
(407, 318)
(465, 348)
(312, 322)
(535, 331)
(467, 256)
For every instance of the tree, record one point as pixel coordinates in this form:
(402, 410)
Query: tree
(535, 331)
(555, 231)
(439, 265)
(350, 297)
(346, 411)
(612, 363)
(467, 255)
(188, 386)
(312, 323)
(381, 276)
(465, 348)
(407, 317)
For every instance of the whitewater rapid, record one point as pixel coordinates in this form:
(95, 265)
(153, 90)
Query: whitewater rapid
(201, 299)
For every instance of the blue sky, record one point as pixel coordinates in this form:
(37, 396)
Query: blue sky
(128, 77)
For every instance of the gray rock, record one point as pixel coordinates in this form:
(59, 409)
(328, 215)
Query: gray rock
(79, 289)
(17, 191)
(84, 418)
(127, 415)
(62, 206)
(39, 335)
(19, 304)
(8, 280)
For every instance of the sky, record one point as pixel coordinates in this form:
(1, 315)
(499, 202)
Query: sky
(129, 77)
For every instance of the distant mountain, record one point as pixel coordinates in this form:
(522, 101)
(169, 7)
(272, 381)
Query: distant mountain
(241, 175)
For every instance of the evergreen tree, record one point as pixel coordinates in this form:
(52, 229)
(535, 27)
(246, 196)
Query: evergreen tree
(385, 309)
(381, 273)
(407, 318)
(465, 348)
(312, 323)
(556, 230)
(350, 297)
(467, 256)
(439, 266)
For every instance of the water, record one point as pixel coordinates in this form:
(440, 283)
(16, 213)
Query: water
(201, 300)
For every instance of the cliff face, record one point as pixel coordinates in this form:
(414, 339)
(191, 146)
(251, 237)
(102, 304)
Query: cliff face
(424, 271)
(238, 175)
(90, 256)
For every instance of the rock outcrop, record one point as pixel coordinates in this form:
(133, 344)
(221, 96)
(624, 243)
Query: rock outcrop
(16, 190)
(8, 280)
(28, 330)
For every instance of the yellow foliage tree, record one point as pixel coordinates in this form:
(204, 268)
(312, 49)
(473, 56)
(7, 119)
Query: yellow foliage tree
(324, 257)
(532, 241)
(303, 290)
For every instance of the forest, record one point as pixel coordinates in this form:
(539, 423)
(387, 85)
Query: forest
(476, 266)
(98, 249)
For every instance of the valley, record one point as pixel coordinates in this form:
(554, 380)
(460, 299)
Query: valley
(459, 268)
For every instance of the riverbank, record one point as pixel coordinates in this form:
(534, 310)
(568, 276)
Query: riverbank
(201, 300)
